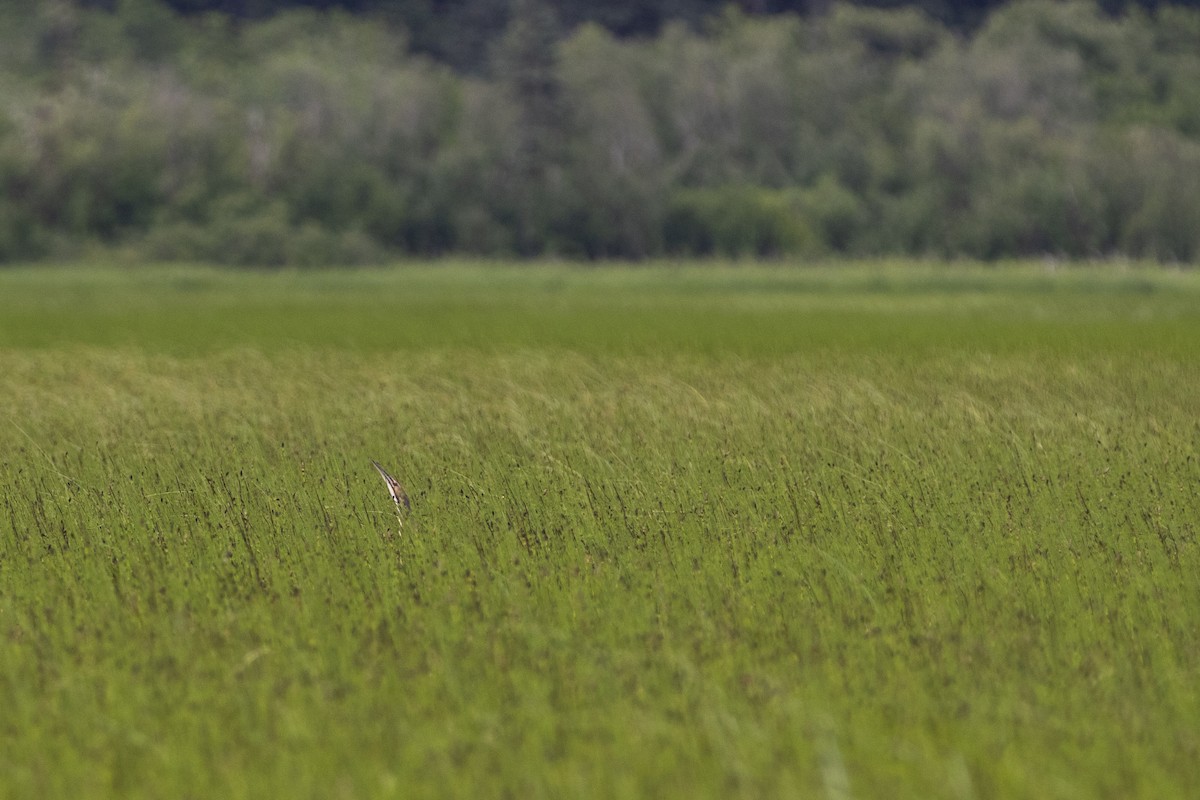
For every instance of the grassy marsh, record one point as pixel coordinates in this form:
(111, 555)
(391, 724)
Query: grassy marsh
(890, 531)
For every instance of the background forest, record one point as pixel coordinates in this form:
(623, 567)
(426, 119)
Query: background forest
(341, 135)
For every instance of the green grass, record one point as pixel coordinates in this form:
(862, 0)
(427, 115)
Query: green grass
(894, 531)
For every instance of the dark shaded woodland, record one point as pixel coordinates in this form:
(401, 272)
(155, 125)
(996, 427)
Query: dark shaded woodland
(268, 133)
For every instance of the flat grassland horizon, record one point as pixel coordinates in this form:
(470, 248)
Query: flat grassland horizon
(878, 530)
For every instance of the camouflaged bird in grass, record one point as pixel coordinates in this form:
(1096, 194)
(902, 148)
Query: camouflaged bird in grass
(395, 489)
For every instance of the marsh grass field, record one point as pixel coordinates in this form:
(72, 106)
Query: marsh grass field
(876, 531)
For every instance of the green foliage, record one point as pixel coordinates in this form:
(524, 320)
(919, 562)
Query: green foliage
(734, 221)
(1157, 173)
(243, 234)
(835, 213)
(745, 532)
(1053, 128)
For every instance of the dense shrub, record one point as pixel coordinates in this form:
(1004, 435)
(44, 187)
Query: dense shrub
(736, 221)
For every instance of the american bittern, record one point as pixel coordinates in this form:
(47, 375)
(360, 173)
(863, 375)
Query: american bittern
(395, 489)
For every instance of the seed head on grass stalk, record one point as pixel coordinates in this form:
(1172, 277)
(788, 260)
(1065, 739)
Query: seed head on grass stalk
(396, 490)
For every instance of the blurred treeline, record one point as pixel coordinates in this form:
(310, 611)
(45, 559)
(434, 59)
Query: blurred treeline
(313, 137)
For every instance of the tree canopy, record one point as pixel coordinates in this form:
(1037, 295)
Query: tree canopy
(458, 32)
(316, 136)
